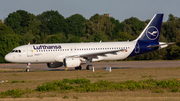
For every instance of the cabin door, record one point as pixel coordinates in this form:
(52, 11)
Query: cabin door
(29, 51)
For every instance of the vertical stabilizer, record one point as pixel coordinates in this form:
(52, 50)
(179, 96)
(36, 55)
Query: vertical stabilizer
(152, 31)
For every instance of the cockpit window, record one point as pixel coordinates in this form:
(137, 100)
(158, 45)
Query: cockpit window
(16, 51)
(12, 51)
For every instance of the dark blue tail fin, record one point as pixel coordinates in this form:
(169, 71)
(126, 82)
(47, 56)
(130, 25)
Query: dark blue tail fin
(152, 31)
(149, 37)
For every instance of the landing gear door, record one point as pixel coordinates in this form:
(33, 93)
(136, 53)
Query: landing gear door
(29, 51)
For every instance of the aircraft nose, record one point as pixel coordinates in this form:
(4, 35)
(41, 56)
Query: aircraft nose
(8, 58)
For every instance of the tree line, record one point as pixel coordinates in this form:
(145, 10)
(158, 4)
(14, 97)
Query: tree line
(22, 27)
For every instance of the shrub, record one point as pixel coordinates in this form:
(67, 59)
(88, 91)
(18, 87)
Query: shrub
(76, 81)
(14, 81)
(174, 89)
(158, 91)
(15, 93)
(65, 97)
(47, 87)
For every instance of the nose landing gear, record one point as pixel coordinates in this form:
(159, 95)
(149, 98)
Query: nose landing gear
(28, 67)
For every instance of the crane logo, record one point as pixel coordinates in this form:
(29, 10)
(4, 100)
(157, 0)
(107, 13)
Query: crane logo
(152, 33)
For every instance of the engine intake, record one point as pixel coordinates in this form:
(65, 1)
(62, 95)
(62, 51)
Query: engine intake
(71, 62)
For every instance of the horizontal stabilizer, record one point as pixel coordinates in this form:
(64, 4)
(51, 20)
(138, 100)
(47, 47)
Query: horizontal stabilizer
(171, 43)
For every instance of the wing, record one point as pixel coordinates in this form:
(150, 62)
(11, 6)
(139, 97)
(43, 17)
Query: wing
(95, 54)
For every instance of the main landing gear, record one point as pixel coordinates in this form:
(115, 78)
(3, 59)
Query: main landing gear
(28, 67)
(78, 68)
(89, 67)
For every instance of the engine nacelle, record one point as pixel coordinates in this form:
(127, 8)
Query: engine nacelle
(54, 64)
(71, 62)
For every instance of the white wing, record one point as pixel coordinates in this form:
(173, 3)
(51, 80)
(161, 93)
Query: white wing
(95, 54)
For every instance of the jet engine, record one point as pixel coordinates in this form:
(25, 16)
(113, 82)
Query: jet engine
(54, 64)
(71, 62)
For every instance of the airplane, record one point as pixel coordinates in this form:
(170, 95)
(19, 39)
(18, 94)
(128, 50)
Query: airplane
(73, 55)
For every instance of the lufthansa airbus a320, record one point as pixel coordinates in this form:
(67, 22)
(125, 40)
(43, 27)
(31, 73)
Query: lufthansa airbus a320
(73, 55)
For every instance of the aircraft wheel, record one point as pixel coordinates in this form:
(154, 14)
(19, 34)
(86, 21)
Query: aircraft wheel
(76, 68)
(80, 67)
(89, 67)
(27, 69)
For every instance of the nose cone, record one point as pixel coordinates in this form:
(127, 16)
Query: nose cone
(8, 57)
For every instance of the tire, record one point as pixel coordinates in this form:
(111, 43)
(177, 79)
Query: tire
(27, 69)
(89, 67)
(80, 67)
(76, 68)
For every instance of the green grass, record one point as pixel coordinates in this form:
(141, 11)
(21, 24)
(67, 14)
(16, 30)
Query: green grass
(15, 81)
(85, 85)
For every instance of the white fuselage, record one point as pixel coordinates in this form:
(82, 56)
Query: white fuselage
(45, 53)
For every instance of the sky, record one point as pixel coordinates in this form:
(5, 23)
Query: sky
(118, 9)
